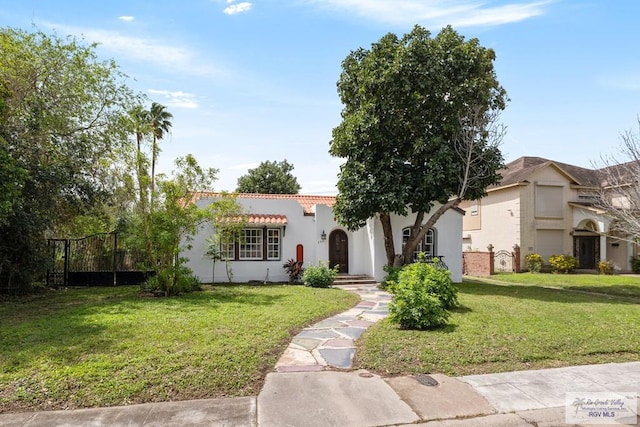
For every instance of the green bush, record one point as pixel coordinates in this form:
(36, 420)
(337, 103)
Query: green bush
(172, 281)
(422, 296)
(319, 276)
(635, 265)
(391, 277)
(606, 267)
(534, 262)
(563, 263)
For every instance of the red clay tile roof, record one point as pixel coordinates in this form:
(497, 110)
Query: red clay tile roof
(267, 219)
(307, 202)
(258, 219)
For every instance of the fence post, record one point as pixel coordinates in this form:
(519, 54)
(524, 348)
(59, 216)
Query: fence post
(115, 258)
(491, 260)
(65, 274)
(516, 258)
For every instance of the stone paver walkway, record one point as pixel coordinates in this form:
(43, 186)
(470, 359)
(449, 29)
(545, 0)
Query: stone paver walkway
(328, 344)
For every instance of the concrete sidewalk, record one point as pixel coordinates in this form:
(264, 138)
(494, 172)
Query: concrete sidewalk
(313, 385)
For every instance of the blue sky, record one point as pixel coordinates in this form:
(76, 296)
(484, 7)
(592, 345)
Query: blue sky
(250, 81)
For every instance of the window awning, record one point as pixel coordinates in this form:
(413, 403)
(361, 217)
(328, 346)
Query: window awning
(257, 219)
(270, 219)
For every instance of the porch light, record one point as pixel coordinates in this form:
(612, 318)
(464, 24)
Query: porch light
(323, 236)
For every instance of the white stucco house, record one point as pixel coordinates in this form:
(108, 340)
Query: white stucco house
(303, 228)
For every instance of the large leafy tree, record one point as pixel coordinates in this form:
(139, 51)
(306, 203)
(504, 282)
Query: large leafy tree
(416, 129)
(269, 178)
(62, 123)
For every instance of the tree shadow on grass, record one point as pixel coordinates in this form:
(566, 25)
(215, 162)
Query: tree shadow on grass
(226, 294)
(577, 295)
(462, 309)
(68, 326)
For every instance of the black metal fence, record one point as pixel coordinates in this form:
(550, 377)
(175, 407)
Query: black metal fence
(97, 260)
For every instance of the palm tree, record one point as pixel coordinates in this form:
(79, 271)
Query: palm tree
(160, 123)
(140, 120)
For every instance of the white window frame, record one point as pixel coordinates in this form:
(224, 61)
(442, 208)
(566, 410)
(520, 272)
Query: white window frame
(426, 245)
(228, 251)
(251, 246)
(273, 244)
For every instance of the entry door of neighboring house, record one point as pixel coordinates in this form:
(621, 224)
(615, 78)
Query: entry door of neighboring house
(339, 251)
(586, 251)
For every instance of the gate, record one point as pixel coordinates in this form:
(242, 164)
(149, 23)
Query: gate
(503, 262)
(97, 260)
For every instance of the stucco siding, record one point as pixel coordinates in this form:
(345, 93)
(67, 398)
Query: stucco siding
(500, 222)
(366, 254)
(447, 239)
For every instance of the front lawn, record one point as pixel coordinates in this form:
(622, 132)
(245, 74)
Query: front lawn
(509, 327)
(111, 346)
(622, 285)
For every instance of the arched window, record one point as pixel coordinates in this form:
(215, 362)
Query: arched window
(427, 244)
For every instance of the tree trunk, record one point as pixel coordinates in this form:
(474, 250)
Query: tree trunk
(418, 230)
(387, 232)
(142, 185)
(154, 155)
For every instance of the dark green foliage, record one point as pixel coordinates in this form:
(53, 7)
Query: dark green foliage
(319, 276)
(172, 280)
(422, 296)
(269, 178)
(635, 265)
(61, 126)
(407, 103)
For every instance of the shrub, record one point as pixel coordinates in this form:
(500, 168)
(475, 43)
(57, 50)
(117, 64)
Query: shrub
(391, 277)
(563, 263)
(319, 276)
(422, 296)
(294, 270)
(635, 265)
(172, 281)
(534, 262)
(606, 267)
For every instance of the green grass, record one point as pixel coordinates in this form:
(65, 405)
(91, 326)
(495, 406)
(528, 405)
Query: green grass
(621, 285)
(509, 327)
(112, 346)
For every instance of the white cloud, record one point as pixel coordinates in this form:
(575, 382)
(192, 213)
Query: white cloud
(234, 9)
(176, 99)
(145, 50)
(437, 13)
(126, 18)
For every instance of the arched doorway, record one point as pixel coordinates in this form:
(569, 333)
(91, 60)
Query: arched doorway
(339, 251)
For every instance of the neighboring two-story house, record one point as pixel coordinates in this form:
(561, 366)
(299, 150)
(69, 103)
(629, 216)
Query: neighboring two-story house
(545, 207)
(280, 227)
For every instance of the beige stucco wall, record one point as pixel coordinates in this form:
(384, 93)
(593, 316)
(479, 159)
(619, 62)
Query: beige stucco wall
(499, 217)
(508, 215)
(550, 235)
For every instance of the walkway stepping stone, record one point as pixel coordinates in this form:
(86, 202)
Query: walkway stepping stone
(329, 344)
